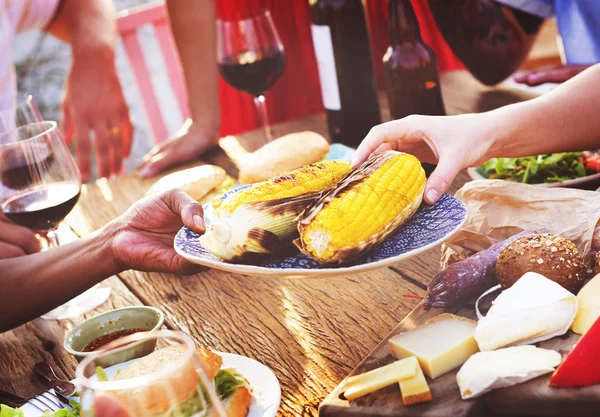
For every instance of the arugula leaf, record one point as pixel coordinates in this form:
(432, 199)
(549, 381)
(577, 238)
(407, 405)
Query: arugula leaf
(101, 374)
(60, 413)
(6, 411)
(227, 382)
(537, 169)
(75, 406)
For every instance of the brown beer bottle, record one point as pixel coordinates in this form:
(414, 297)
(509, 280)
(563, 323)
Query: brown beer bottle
(410, 66)
(341, 41)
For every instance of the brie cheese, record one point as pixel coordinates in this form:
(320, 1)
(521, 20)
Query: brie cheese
(485, 371)
(533, 309)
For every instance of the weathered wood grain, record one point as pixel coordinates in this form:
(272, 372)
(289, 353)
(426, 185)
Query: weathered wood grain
(310, 332)
(41, 340)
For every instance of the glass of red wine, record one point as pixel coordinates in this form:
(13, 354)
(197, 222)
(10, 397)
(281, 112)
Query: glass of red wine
(40, 182)
(39, 185)
(251, 58)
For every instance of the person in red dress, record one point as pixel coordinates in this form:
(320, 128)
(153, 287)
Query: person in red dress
(296, 94)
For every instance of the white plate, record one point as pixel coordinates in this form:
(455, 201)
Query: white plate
(266, 392)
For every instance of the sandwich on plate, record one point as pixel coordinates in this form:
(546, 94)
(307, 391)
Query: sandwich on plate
(180, 394)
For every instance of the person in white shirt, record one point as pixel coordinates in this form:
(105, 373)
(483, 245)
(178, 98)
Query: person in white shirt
(493, 37)
(93, 99)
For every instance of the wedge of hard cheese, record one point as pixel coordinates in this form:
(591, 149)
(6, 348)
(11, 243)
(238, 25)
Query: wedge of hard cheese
(533, 309)
(374, 380)
(581, 367)
(485, 371)
(443, 343)
(588, 309)
(415, 390)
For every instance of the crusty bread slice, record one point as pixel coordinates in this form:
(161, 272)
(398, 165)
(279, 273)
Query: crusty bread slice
(282, 155)
(197, 181)
(158, 397)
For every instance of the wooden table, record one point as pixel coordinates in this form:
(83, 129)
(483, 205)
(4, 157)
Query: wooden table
(311, 332)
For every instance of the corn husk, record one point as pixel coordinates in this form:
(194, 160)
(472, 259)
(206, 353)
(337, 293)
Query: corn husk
(363, 209)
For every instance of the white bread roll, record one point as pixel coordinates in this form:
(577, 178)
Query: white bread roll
(283, 154)
(197, 181)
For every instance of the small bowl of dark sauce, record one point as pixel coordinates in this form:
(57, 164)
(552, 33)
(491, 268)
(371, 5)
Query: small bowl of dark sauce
(105, 330)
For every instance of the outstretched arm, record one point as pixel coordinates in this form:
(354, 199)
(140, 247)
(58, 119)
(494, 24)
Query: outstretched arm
(194, 29)
(491, 39)
(564, 120)
(141, 239)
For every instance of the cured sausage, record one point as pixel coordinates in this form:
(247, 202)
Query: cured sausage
(465, 280)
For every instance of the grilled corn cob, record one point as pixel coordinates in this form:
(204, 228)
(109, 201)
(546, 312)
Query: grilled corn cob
(261, 218)
(363, 208)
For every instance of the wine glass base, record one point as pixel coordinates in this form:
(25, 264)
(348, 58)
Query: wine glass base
(86, 301)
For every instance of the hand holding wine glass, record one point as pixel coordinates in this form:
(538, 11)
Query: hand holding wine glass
(39, 185)
(251, 58)
(39, 180)
(16, 240)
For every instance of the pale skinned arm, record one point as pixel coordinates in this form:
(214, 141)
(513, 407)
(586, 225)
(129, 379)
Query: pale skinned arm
(194, 29)
(93, 98)
(141, 239)
(554, 74)
(564, 120)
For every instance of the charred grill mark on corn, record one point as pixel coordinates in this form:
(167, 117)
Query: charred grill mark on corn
(311, 178)
(260, 219)
(363, 208)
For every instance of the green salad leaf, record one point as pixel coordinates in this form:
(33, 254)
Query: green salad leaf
(6, 411)
(75, 406)
(60, 413)
(549, 168)
(227, 382)
(101, 374)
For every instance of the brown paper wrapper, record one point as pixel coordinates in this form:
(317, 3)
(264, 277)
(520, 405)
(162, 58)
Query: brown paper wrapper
(499, 209)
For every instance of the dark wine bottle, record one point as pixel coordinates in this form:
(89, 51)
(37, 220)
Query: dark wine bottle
(341, 42)
(410, 66)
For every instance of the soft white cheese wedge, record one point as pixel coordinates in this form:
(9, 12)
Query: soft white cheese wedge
(533, 309)
(485, 371)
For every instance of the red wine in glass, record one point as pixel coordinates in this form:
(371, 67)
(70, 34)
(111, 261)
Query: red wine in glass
(251, 58)
(42, 208)
(246, 72)
(39, 180)
(39, 185)
(17, 172)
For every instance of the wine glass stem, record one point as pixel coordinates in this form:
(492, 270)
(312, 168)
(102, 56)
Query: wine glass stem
(261, 107)
(52, 238)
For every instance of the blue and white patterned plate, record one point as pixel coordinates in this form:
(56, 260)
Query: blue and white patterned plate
(430, 226)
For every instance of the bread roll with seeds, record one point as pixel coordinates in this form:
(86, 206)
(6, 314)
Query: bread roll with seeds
(554, 257)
